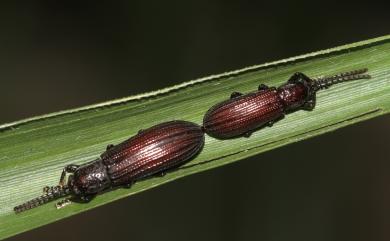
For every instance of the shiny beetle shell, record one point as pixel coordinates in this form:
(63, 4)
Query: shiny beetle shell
(241, 115)
(153, 151)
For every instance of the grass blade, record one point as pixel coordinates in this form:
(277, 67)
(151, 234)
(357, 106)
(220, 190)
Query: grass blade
(33, 151)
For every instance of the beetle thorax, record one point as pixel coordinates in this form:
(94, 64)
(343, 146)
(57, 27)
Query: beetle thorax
(90, 178)
(292, 95)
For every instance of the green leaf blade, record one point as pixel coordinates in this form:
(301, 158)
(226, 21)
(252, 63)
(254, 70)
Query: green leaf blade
(34, 151)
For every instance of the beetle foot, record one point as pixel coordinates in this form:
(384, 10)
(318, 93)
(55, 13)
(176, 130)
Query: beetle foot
(63, 203)
(160, 174)
(110, 146)
(235, 94)
(263, 87)
(310, 104)
(140, 131)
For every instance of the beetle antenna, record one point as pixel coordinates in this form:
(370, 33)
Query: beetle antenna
(51, 194)
(327, 81)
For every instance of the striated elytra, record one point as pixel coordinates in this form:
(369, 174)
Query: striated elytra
(240, 114)
(151, 152)
(243, 114)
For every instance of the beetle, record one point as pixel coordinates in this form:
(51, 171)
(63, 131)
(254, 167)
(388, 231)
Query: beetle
(243, 114)
(151, 152)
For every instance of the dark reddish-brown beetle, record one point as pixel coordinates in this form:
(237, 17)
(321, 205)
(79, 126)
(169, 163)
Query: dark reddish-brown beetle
(151, 152)
(243, 114)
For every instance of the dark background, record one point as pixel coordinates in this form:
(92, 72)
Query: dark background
(59, 55)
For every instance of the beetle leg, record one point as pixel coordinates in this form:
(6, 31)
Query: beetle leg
(140, 131)
(272, 122)
(129, 185)
(63, 203)
(235, 94)
(296, 78)
(160, 174)
(109, 147)
(310, 104)
(87, 198)
(67, 169)
(263, 87)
